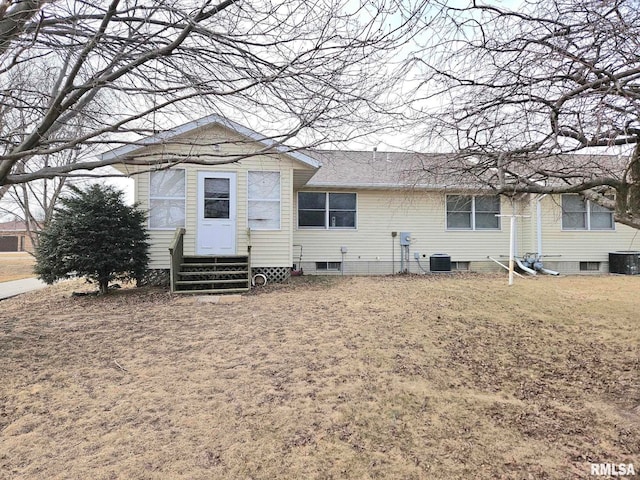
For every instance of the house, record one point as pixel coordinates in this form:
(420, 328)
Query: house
(15, 237)
(339, 212)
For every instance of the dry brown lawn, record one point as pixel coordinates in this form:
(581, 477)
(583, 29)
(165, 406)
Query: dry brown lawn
(14, 266)
(394, 378)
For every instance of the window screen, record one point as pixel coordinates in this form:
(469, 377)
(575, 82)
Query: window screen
(263, 192)
(459, 209)
(467, 212)
(574, 212)
(327, 210)
(167, 193)
(581, 214)
(486, 209)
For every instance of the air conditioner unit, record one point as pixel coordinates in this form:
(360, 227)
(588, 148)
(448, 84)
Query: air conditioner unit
(626, 263)
(440, 262)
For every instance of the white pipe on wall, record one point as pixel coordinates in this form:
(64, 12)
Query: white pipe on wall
(511, 237)
(539, 223)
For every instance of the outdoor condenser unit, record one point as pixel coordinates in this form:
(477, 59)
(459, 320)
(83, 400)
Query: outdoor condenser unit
(440, 262)
(626, 263)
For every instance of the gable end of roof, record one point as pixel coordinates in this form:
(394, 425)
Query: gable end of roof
(209, 120)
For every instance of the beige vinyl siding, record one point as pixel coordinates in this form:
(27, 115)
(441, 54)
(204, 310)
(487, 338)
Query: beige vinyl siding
(380, 212)
(526, 230)
(580, 245)
(371, 249)
(270, 248)
(159, 240)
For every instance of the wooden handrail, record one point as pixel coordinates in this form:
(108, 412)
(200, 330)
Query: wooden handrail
(249, 264)
(176, 251)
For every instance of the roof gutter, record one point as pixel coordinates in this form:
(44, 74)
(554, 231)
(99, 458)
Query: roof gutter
(394, 186)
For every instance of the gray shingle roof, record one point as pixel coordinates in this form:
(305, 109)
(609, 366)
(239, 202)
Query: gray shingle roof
(368, 169)
(14, 226)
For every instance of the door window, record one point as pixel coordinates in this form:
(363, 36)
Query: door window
(216, 197)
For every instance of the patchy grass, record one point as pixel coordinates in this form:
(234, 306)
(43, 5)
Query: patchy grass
(15, 266)
(415, 377)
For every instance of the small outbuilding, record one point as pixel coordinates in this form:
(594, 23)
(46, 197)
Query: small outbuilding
(14, 237)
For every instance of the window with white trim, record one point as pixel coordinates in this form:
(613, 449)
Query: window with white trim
(469, 212)
(589, 266)
(329, 266)
(460, 266)
(263, 194)
(167, 199)
(578, 213)
(326, 210)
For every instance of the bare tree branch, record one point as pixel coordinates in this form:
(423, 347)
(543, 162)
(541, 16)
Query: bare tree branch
(528, 87)
(122, 69)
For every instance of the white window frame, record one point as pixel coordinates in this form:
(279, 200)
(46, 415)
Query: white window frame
(327, 222)
(587, 227)
(184, 199)
(460, 266)
(328, 266)
(266, 200)
(587, 266)
(473, 214)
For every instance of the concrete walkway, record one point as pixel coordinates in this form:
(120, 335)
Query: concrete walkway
(16, 287)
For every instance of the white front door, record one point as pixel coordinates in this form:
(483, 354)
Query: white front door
(216, 233)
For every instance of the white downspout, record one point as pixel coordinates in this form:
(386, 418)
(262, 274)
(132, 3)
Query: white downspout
(539, 223)
(511, 237)
(515, 229)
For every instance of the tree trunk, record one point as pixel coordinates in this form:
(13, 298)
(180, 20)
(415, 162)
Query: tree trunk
(634, 188)
(103, 286)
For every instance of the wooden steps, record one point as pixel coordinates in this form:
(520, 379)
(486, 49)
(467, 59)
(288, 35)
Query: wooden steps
(213, 274)
(215, 291)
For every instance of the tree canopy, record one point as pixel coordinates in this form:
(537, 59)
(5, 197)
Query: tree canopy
(93, 234)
